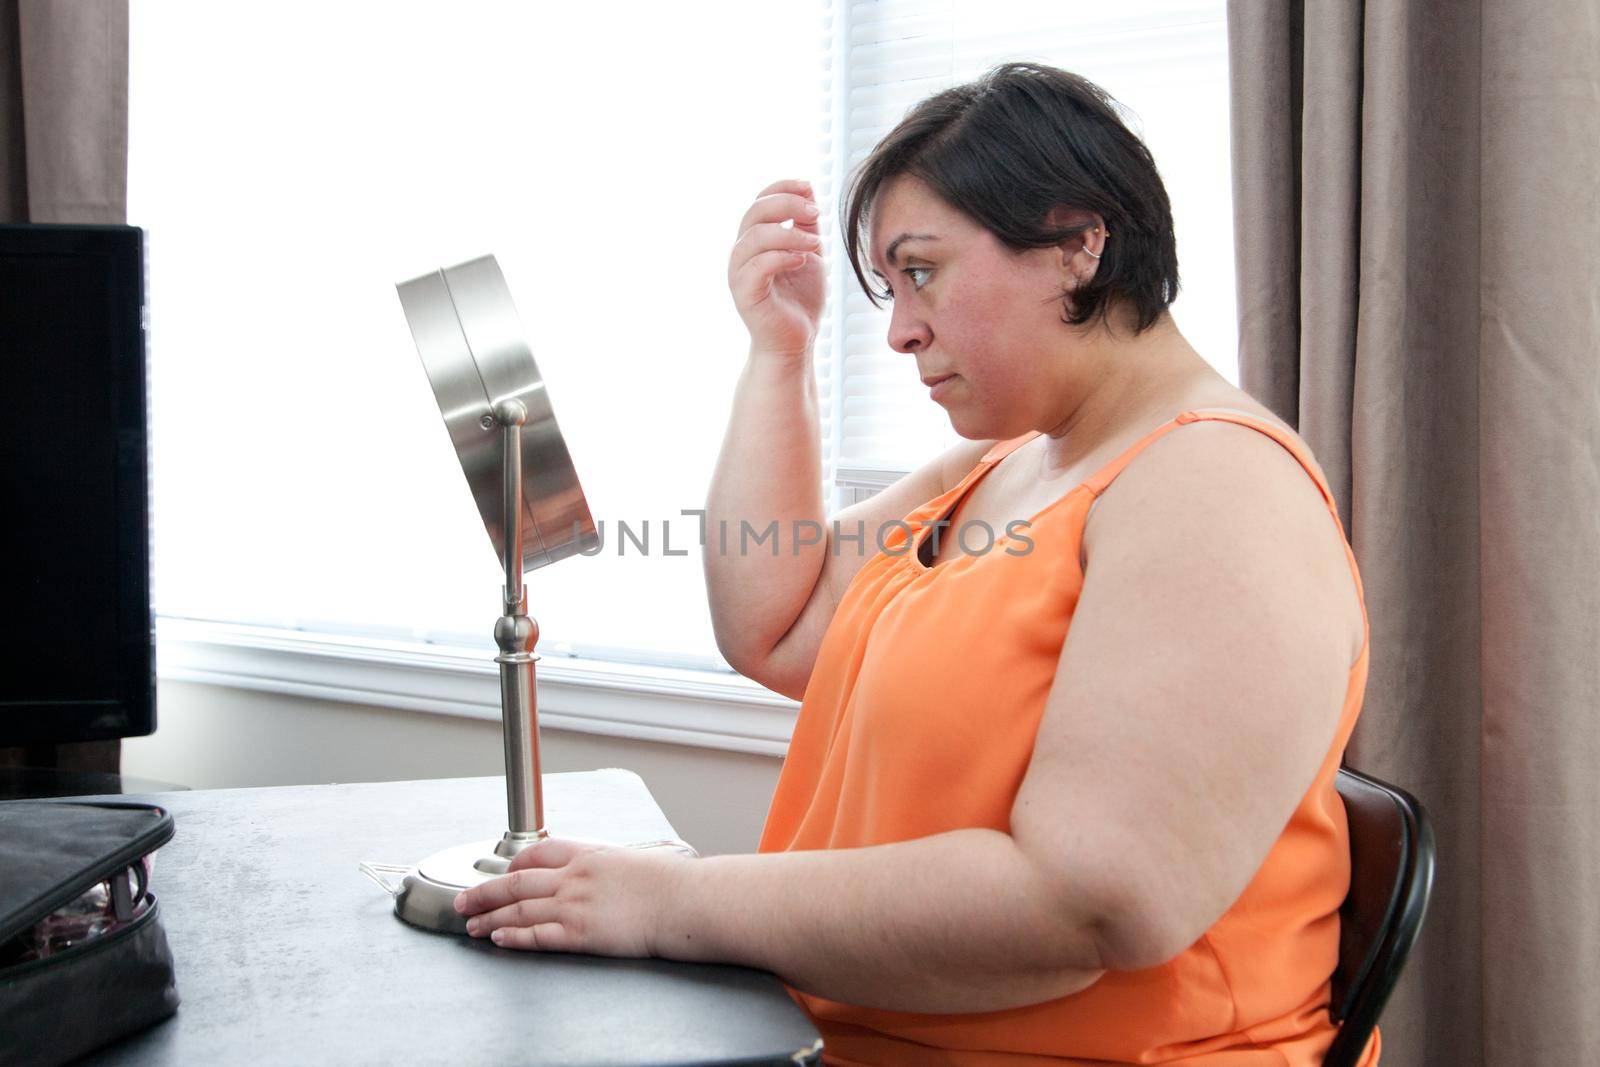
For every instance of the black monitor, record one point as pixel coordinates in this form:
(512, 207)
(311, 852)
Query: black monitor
(77, 659)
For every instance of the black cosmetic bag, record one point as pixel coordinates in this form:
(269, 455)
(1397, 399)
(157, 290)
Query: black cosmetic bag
(83, 958)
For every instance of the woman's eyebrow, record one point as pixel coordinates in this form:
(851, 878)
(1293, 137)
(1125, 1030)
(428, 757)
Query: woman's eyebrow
(894, 246)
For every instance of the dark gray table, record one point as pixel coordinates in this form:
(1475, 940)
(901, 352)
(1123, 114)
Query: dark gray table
(286, 953)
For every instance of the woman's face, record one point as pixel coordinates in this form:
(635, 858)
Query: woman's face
(966, 306)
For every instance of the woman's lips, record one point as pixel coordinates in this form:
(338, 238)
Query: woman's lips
(937, 387)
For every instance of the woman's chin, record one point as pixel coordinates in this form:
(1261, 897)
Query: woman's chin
(966, 426)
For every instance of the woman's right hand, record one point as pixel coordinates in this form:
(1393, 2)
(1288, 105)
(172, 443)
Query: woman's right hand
(775, 272)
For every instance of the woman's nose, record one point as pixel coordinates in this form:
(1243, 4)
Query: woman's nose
(907, 333)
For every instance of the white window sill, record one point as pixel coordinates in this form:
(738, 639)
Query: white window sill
(687, 707)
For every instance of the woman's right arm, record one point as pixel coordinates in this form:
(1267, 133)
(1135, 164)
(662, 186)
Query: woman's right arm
(770, 467)
(769, 611)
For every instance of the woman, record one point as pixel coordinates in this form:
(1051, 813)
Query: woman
(1064, 798)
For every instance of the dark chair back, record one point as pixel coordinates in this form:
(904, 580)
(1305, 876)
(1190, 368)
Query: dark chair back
(1391, 877)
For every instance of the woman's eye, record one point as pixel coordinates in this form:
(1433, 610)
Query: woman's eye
(916, 282)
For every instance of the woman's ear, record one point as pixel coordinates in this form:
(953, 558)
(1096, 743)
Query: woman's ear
(1082, 248)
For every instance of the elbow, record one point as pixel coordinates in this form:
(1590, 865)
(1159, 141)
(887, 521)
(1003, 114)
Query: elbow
(735, 641)
(1125, 911)
(737, 653)
(762, 668)
(745, 662)
(1132, 934)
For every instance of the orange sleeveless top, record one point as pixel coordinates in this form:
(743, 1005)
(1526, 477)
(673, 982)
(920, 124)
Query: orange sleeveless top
(911, 651)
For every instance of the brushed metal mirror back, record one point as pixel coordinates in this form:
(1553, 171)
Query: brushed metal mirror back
(475, 354)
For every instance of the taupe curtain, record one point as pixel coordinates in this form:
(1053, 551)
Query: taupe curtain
(64, 158)
(63, 111)
(1418, 237)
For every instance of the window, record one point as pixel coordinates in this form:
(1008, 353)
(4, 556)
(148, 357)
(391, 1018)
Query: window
(292, 161)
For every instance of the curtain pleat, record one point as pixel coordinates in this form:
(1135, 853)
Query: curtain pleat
(64, 111)
(1417, 232)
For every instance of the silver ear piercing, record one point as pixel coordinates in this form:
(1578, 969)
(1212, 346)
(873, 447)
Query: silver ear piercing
(1086, 247)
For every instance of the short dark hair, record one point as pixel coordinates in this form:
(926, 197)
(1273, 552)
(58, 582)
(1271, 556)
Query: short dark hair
(1013, 144)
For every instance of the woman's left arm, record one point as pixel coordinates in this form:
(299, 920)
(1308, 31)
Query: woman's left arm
(957, 922)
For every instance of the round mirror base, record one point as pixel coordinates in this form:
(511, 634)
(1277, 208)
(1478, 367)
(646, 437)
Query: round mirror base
(427, 896)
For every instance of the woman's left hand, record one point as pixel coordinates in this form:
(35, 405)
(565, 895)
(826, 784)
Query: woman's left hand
(569, 896)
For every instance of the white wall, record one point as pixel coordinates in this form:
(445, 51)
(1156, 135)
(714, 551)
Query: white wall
(211, 737)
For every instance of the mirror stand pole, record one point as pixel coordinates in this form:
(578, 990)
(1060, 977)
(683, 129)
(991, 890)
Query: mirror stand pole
(516, 634)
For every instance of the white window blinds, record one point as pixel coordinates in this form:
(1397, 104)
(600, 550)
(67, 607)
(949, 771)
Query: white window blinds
(1165, 60)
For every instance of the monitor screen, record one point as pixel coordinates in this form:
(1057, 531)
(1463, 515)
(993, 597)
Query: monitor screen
(79, 651)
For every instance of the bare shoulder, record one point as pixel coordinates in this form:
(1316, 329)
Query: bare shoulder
(959, 459)
(1218, 492)
(1219, 464)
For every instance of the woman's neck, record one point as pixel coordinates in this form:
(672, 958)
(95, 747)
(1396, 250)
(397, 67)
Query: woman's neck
(1133, 379)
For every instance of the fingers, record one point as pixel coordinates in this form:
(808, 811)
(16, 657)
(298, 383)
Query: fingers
(530, 912)
(506, 890)
(545, 937)
(786, 185)
(555, 852)
(551, 852)
(528, 924)
(780, 202)
(752, 283)
(770, 237)
(766, 248)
